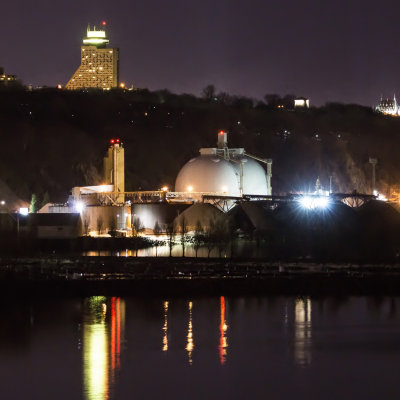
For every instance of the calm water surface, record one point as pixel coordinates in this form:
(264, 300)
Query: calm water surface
(101, 348)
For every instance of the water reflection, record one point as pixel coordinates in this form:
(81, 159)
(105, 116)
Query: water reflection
(302, 331)
(223, 327)
(190, 343)
(165, 327)
(103, 329)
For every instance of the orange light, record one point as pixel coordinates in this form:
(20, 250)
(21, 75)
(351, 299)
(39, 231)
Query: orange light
(104, 23)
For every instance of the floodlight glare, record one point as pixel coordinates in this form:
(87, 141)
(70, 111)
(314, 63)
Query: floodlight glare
(79, 206)
(321, 202)
(311, 203)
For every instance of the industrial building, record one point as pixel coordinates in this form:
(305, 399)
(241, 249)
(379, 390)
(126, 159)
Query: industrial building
(99, 64)
(206, 187)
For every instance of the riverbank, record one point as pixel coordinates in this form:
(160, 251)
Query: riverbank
(150, 276)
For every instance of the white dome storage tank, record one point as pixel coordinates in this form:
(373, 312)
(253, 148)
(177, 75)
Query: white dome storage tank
(229, 172)
(208, 173)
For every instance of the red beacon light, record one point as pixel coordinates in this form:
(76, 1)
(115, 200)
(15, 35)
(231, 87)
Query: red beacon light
(221, 133)
(104, 23)
(112, 141)
(117, 141)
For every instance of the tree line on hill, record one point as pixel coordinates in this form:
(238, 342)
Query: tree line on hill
(54, 139)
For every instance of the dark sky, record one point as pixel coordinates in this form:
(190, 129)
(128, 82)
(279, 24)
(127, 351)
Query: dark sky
(343, 50)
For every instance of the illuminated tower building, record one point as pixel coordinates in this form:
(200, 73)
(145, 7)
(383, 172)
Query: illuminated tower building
(114, 168)
(99, 64)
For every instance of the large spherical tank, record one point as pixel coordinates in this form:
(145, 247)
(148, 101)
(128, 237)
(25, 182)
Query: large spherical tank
(254, 177)
(211, 173)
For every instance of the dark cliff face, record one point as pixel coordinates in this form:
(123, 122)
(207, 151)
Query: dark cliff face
(54, 140)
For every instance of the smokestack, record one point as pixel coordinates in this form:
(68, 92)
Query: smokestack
(222, 139)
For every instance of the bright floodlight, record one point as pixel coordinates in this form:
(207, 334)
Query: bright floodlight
(321, 202)
(24, 210)
(311, 203)
(79, 206)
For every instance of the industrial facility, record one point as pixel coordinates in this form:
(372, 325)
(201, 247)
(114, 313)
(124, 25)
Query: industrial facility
(206, 186)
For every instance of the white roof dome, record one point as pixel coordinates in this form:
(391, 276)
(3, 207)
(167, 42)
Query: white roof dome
(212, 173)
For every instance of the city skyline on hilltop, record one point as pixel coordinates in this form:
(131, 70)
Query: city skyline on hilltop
(340, 51)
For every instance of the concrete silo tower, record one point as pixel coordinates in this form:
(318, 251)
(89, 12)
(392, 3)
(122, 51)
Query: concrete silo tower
(114, 169)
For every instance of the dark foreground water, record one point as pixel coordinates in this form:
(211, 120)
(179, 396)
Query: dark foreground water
(202, 348)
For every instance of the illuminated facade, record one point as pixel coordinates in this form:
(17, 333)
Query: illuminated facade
(5, 79)
(99, 64)
(388, 107)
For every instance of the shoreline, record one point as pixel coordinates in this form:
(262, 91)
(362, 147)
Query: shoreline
(150, 276)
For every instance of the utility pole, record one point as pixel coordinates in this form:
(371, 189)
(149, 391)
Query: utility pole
(373, 162)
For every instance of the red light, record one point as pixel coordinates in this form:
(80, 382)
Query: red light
(221, 132)
(117, 140)
(104, 23)
(112, 141)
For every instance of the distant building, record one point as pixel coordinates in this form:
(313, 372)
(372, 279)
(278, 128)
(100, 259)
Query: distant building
(7, 80)
(388, 107)
(99, 64)
(301, 102)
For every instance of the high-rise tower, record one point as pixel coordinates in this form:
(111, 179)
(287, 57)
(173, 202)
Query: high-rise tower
(99, 64)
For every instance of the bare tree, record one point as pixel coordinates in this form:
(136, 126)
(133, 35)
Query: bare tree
(99, 224)
(209, 236)
(137, 226)
(171, 230)
(85, 223)
(198, 238)
(209, 92)
(157, 231)
(183, 231)
(112, 225)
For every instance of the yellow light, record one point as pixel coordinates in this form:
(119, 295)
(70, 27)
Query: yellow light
(164, 189)
(122, 85)
(190, 188)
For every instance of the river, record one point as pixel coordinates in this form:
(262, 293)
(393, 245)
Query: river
(99, 348)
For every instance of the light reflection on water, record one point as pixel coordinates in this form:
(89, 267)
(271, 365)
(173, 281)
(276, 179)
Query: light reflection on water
(103, 331)
(190, 341)
(207, 347)
(302, 329)
(242, 249)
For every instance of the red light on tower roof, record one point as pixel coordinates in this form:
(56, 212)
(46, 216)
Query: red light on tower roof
(117, 140)
(104, 23)
(112, 141)
(221, 132)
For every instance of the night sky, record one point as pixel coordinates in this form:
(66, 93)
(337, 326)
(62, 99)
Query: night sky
(326, 50)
